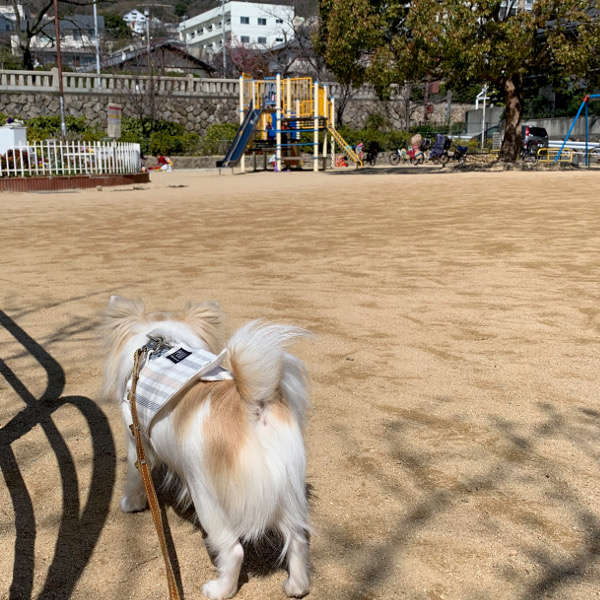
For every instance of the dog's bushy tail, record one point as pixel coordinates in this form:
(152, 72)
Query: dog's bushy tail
(262, 369)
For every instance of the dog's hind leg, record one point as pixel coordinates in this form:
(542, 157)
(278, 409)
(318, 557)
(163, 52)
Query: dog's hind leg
(298, 582)
(134, 495)
(224, 546)
(229, 562)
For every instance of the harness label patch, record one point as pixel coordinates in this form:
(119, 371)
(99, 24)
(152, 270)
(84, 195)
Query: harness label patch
(179, 355)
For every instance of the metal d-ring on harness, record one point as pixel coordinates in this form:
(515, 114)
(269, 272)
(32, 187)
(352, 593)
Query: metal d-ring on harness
(154, 345)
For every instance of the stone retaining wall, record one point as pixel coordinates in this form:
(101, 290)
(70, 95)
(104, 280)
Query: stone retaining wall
(194, 103)
(195, 113)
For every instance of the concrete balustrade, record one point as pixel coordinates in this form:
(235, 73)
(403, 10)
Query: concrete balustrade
(47, 81)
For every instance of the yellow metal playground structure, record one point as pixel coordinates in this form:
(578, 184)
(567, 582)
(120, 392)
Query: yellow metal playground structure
(284, 117)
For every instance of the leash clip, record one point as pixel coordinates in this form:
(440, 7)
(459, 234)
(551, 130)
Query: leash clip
(156, 345)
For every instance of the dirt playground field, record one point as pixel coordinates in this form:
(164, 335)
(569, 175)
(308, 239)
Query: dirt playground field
(453, 448)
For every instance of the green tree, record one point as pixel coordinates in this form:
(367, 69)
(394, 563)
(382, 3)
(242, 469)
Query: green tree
(346, 33)
(494, 42)
(115, 27)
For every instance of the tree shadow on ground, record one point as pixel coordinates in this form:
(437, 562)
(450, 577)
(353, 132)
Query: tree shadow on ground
(379, 561)
(80, 527)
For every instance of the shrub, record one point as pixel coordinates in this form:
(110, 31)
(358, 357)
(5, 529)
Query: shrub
(218, 137)
(376, 121)
(159, 137)
(162, 142)
(136, 131)
(78, 128)
(366, 136)
(399, 139)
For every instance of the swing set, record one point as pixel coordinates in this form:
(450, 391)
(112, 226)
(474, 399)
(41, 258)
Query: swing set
(584, 104)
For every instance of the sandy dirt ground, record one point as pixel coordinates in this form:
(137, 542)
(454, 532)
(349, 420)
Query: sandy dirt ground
(453, 448)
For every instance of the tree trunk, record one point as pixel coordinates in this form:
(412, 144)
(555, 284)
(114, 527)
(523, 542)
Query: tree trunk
(512, 143)
(344, 95)
(27, 58)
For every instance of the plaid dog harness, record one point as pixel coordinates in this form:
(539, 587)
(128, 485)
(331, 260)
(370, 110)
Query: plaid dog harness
(168, 371)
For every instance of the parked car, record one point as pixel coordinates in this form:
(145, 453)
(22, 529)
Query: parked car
(488, 135)
(534, 135)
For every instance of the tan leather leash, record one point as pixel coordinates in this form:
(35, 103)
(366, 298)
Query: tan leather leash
(144, 469)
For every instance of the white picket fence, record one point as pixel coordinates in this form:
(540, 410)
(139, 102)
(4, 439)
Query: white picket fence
(53, 157)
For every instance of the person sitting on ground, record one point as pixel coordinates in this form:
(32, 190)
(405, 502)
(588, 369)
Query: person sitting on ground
(164, 163)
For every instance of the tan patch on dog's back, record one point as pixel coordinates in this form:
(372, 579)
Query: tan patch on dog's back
(224, 430)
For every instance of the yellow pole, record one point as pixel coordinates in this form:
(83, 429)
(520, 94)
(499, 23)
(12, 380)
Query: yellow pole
(316, 128)
(278, 121)
(325, 128)
(332, 116)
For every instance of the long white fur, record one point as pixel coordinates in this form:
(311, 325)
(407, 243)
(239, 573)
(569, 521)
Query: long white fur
(268, 490)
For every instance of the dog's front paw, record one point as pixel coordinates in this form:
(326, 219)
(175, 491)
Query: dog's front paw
(133, 503)
(295, 589)
(215, 590)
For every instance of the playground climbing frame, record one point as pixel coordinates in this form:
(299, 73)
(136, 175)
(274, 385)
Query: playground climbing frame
(291, 108)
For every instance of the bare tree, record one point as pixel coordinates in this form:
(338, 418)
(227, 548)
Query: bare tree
(345, 92)
(31, 21)
(245, 59)
(409, 107)
(296, 54)
(147, 94)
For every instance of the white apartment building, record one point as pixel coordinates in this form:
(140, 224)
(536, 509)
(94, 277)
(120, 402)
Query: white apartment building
(246, 23)
(136, 21)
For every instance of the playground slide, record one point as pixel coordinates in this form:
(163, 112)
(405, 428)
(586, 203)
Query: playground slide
(346, 148)
(241, 139)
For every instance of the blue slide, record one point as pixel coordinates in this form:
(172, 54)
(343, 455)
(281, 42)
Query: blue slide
(241, 139)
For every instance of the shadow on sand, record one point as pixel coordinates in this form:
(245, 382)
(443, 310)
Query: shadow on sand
(80, 527)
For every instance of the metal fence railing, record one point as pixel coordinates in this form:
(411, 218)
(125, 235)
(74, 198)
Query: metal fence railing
(53, 157)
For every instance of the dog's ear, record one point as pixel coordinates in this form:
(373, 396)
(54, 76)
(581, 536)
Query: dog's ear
(118, 316)
(123, 308)
(208, 322)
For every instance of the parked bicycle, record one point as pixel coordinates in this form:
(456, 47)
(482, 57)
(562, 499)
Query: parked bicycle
(372, 153)
(530, 152)
(459, 155)
(399, 154)
(441, 154)
(439, 151)
(418, 154)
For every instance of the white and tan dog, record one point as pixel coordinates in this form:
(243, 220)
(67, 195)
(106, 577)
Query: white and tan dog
(236, 446)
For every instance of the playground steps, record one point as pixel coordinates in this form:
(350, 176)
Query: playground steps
(348, 151)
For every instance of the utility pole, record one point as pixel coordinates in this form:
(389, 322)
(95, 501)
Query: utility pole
(147, 15)
(63, 124)
(223, 38)
(97, 42)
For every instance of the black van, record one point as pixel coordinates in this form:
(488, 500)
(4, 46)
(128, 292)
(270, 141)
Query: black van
(531, 133)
